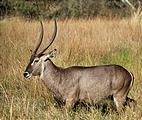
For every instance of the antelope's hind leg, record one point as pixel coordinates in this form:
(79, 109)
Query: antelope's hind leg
(120, 97)
(119, 102)
(131, 103)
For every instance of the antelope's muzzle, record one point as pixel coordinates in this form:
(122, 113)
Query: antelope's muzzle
(27, 75)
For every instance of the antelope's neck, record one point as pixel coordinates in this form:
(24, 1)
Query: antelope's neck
(50, 75)
(48, 70)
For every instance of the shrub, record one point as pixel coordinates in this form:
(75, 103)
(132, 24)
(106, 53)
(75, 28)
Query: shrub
(74, 8)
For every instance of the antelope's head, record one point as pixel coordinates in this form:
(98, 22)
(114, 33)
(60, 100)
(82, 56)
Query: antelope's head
(34, 67)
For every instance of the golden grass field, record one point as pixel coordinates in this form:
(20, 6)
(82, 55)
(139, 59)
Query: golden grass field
(78, 42)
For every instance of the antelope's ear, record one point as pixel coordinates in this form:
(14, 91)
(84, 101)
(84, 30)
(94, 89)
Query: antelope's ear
(49, 55)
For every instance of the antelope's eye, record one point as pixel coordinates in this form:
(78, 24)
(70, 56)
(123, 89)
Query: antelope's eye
(36, 61)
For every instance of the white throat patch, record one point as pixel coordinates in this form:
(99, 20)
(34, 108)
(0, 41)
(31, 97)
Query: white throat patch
(42, 70)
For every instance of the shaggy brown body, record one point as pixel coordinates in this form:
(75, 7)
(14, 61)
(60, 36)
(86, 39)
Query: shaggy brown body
(87, 84)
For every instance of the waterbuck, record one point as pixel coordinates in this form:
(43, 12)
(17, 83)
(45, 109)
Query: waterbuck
(91, 84)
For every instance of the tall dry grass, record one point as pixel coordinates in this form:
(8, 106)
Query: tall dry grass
(78, 42)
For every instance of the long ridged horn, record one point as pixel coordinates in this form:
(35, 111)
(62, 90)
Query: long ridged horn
(51, 41)
(40, 39)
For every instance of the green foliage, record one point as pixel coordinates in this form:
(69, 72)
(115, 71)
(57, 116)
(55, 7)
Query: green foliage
(121, 56)
(62, 8)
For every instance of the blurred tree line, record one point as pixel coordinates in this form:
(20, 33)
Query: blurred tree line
(62, 9)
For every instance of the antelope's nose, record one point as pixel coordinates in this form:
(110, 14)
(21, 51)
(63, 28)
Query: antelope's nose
(26, 74)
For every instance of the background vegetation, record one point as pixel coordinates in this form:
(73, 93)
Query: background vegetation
(96, 40)
(38, 9)
(79, 42)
